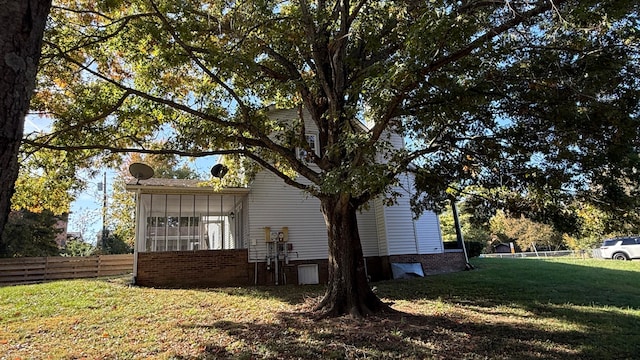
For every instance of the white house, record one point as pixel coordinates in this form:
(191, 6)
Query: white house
(268, 233)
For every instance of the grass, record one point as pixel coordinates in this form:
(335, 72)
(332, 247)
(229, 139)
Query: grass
(505, 309)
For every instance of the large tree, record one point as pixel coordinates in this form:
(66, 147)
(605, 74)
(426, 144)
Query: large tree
(464, 82)
(22, 24)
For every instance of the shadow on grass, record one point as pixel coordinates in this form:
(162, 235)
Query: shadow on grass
(568, 311)
(389, 337)
(290, 294)
(602, 301)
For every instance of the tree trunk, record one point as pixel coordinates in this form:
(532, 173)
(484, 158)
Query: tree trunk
(22, 25)
(348, 291)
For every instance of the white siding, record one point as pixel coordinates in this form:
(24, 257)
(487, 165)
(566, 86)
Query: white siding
(272, 203)
(398, 233)
(368, 231)
(401, 238)
(427, 227)
(428, 234)
(381, 229)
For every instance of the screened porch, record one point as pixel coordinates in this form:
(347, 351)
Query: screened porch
(190, 222)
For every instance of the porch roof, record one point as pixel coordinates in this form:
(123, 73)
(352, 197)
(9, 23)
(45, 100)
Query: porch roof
(180, 186)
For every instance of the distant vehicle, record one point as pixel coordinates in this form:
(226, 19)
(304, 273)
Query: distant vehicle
(622, 248)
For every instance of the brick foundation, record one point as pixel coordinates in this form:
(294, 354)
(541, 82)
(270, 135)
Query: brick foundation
(450, 261)
(218, 268)
(210, 268)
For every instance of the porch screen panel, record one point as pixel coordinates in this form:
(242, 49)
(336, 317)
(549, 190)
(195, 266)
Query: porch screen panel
(173, 223)
(156, 223)
(191, 222)
(189, 234)
(200, 210)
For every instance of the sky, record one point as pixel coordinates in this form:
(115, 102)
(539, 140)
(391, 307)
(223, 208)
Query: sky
(86, 210)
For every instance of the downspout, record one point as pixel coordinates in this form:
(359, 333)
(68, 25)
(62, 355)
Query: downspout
(277, 259)
(415, 236)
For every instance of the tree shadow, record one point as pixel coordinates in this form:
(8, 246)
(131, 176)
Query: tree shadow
(394, 336)
(488, 327)
(290, 294)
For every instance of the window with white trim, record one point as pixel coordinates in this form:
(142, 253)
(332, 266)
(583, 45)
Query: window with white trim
(313, 144)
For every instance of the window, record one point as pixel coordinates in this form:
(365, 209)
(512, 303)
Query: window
(313, 144)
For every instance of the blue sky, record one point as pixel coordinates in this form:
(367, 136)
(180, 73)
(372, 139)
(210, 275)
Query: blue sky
(86, 210)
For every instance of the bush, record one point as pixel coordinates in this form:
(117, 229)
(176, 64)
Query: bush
(29, 234)
(113, 244)
(77, 247)
(474, 248)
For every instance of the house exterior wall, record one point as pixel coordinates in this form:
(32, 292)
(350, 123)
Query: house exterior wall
(221, 268)
(428, 234)
(388, 234)
(271, 203)
(448, 261)
(381, 227)
(210, 268)
(367, 228)
(400, 230)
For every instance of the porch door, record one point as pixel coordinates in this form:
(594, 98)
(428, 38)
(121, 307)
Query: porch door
(214, 231)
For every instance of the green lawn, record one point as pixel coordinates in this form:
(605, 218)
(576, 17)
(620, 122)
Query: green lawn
(505, 309)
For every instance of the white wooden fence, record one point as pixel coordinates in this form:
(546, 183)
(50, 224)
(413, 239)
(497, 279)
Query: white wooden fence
(595, 253)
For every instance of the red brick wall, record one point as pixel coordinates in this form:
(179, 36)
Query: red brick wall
(217, 268)
(449, 261)
(211, 268)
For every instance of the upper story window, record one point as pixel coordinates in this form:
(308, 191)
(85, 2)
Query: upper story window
(313, 144)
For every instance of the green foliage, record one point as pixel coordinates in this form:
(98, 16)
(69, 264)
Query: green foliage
(474, 248)
(597, 224)
(113, 244)
(527, 234)
(77, 247)
(46, 181)
(535, 97)
(29, 234)
(465, 83)
(470, 231)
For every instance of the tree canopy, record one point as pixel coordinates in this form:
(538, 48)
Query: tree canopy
(47, 181)
(534, 94)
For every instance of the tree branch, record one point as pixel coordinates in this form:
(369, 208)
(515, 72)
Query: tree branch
(518, 19)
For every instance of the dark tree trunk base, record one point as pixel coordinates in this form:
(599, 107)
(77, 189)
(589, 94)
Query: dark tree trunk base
(329, 307)
(348, 291)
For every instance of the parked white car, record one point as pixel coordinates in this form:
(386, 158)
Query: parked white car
(622, 248)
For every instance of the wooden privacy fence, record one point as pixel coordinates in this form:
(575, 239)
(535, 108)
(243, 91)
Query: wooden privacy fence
(37, 269)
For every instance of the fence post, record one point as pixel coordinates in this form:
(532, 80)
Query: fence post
(46, 268)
